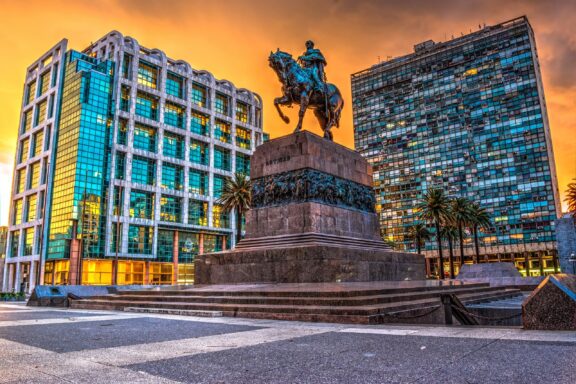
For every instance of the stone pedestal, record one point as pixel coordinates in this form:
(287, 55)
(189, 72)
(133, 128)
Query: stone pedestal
(552, 306)
(312, 220)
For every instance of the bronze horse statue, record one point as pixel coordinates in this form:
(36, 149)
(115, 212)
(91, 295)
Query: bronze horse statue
(298, 87)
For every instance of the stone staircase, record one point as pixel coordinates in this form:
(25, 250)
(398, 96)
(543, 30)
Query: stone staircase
(410, 302)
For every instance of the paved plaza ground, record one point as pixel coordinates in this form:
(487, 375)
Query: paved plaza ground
(47, 345)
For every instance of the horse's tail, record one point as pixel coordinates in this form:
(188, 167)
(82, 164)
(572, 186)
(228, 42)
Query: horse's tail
(337, 113)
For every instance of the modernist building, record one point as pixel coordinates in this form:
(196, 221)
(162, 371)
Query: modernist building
(566, 239)
(468, 116)
(122, 155)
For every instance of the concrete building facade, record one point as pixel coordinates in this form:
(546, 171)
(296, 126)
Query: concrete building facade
(122, 156)
(468, 116)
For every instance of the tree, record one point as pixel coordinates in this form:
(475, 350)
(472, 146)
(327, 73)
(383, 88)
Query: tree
(571, 197)
(450, 233)
(480, 218)
(236, 195)
(434, 206)
(418, 233)
(461, 216)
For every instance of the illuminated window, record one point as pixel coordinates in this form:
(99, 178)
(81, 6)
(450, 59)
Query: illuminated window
(122, 136)
(17, 218)
(222, 104)
(27, 121)
(97, 272)
(222, 131)
(146, 106)
(143, 170)
(242, 112)
(24, 150)
(199, 124)
(20, 180)
(31, 92)
(160, 273)
(174, 115)
(125, 99)
(44, 82)
(38, 143)
(32, 206)
(144, 138)
(197, 212)
(242, 164)
(222, 158)
(199, 152)
(172, 176)
(174, 85)
(220, 217)
(28, 241)
(141, 204)
(34, 175)
(198, 182)
(199, 95)
(243, 138)
(130, 272)
(140, 239)
(147, 75)
(173, 146)
(170, 208)
(40, 113)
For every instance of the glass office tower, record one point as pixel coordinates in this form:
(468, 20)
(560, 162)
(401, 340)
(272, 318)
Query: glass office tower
(468, 116)
(121, 158)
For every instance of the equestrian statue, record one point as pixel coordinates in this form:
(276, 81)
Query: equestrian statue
(304, 83)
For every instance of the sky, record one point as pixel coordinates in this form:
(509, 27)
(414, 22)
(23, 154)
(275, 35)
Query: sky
(233, 38)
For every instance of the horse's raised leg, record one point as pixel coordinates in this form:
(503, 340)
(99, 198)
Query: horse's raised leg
(304, 100)
(282, 101)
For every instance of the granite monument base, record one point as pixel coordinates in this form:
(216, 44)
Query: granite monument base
(307, 264)
(552, 306)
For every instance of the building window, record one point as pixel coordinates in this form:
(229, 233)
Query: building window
(198, 182)
(199, 124)
(31, 92)
(24, 150)
(47, 138)
(120, 173)
(219, 182)
(141, 205)
(118, 201)
(14, 243)
(27, 121)
(147, 75)
(122, 137)
(222, 104)
(199, 95)
(38, 143)
(143, 170)
(199, 152)
(160, 273)
(174, 85)
(173, 146)
(188, 247)
(28, 241)
(116, 243)
(147, 106)
(222, 158)
(165, 245)
(34, 175)
(242, 112)
(243, 138)
(243, 164)
(127, 66)
(172, 176)
(213, 243)
(40, 116)
(174, 115)
(197, 212)
(125, 99)
(20, 180)
(44, 82)
(170, 208)
(140, 239)
(31, 207)
(220, 217)
(144, 138)
(222, 132)
(17, 219)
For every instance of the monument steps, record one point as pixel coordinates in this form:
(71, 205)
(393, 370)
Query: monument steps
(292, 300)
(338, 307)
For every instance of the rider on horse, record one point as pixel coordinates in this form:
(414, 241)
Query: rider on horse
(314, 62)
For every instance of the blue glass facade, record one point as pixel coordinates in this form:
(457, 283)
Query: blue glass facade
(468, 116)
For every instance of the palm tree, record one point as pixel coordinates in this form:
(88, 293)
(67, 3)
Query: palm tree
(418, 233)
(480, 218)
(434, 206)
(450, 233)
(571, 197)
(461, 215)
(236, 196)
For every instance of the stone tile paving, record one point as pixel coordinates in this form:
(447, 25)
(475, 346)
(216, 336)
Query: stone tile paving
(140, 348)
